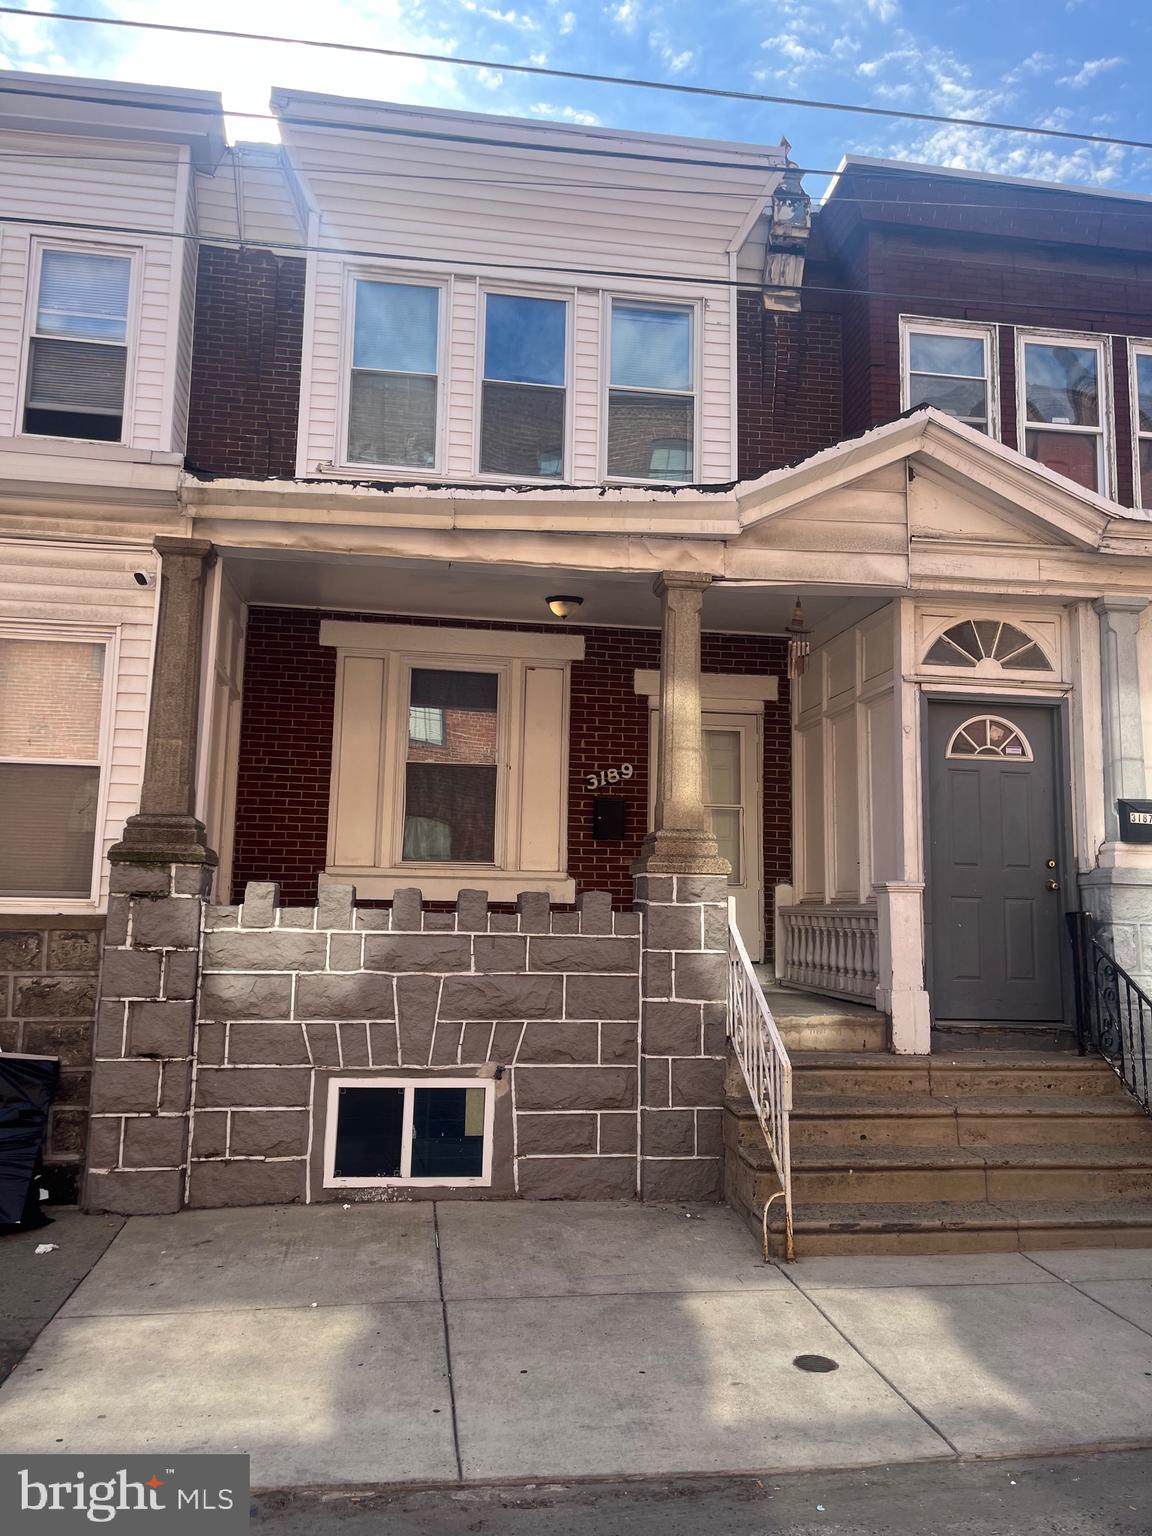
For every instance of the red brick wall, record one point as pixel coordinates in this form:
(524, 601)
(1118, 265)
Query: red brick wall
(245, 393)
(789, 384)
(286, 747)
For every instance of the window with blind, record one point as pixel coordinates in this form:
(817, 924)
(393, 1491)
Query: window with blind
(78, 349)
(394, 388)
(523, 395)
(51, 705)
(1142, 423)
(1062, 381)
(651, 398)
(949, 367)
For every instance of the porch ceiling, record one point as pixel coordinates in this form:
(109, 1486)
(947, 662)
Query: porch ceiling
(516, 594)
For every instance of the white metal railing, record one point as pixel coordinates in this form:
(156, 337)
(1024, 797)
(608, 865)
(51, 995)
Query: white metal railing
(766, 1068)
(831, 949)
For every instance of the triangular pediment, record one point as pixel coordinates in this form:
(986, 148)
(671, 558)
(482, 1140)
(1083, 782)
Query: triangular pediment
(923, 479)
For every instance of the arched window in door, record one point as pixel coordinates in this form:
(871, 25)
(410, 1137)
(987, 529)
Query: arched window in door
(989, 736)
(974, 641)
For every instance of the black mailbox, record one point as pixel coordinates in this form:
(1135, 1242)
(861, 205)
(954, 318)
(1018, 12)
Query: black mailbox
(1135, 820)
(609, 818)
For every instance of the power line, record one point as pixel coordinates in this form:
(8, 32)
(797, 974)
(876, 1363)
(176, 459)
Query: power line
(679, 88)
(723, 284)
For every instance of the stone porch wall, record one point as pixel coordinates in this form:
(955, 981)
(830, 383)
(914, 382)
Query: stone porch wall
(547, 1001)
(49, 968)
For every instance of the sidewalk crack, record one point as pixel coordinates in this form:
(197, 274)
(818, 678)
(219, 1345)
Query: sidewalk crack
(447, 1342)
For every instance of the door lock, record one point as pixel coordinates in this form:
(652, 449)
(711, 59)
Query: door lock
(1049, 863)
(1051, 885)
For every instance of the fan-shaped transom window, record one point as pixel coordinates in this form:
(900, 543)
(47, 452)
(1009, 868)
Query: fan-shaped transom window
(973, 641)
(989, 736)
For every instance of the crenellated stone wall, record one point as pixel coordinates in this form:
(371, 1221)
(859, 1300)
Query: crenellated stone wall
(547, 1002)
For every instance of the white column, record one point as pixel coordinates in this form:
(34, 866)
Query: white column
(1121, 717)
(900, 990)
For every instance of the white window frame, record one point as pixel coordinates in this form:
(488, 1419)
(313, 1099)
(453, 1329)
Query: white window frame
(399, 649)
(565, 296)
(987, 335)
(1138, 347)
(75, 635)
(335, 1083)
(443, 285)
(695, 309)
(1104, 433)
(37, 246)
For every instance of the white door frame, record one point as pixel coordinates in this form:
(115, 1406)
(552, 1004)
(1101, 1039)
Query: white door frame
(749, 722)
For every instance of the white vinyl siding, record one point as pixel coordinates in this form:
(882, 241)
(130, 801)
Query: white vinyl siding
(133, 186)
(529, 210)
(43, 589)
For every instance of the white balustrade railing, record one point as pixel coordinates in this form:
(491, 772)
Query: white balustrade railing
(831, 949)
(767, 1071)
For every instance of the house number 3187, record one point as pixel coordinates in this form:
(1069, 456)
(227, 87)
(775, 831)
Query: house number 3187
(608, 776)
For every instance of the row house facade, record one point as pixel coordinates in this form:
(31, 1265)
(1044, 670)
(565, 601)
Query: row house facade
(456, 567)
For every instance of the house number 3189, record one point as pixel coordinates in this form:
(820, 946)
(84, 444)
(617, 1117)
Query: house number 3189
(608, 776)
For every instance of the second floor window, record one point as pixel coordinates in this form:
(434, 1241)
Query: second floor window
(1062, 406)
(1142, 411)
(949, 367)
(651, 400)
(78, 348)
(523, 400)
(392, 406)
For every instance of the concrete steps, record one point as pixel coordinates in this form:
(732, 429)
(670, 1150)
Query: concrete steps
(966, 1153)
(808, 1022)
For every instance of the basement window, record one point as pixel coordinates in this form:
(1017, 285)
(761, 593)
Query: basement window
(422, 1131)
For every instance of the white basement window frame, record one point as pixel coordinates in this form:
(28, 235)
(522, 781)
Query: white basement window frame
(918, 384)
(85, 329)
(98, 760)
(1140, 393)
(1043, 426)
(404, 1151)
(354, 365)
(370, 836)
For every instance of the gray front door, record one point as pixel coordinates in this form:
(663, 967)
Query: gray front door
(993, 825)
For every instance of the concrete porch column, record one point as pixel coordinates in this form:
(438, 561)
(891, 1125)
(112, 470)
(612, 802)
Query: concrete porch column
(161, 872)
(681, 841)
(900, 990)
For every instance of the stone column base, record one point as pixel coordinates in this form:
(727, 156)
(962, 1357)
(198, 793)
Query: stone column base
(142, 1075)
(672, 851)
(683, 1034)
(1120, 899)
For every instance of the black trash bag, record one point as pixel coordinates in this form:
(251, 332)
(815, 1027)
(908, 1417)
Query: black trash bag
(27, 1088)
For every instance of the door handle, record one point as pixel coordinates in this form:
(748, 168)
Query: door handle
(1051, 885)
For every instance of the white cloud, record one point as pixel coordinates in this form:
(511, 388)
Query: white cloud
(674, 60)
(564, 114)
(1088, 72)
(567, 23)
(626, 15)
(883, 10)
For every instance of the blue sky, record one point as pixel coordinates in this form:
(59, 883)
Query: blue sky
(1082, 64)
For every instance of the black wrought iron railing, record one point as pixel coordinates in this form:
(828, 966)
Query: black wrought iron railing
(1113, 1012)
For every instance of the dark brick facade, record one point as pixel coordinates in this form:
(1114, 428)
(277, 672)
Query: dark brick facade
(286, 748)
(245, 398)
(1018, 257)
(789, 382)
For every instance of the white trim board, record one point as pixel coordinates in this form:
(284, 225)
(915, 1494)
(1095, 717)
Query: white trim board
(367, 638)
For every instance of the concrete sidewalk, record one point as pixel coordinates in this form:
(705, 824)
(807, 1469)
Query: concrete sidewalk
(493, 1341)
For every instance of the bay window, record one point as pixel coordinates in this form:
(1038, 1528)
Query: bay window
(949, 367)
(651, 395)
(1063, 392)
(1142, 421)
(51, 712)
(523, 393)
(449, 763)
(393, 392)
(78, 344)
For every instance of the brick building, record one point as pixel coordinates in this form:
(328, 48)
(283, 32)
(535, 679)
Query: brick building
(497, 659)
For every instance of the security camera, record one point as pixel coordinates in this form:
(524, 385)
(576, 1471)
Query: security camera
(144, 578)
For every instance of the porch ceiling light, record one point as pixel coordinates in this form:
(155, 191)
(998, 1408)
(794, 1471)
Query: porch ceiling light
(564, 605)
